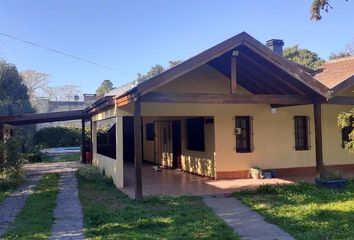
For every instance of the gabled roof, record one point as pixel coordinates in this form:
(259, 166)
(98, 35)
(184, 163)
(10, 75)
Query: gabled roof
(337, 74)
(298, 74)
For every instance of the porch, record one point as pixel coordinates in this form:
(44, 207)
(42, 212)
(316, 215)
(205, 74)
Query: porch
(174, 182)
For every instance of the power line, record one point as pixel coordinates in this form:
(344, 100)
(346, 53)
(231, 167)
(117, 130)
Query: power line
(63, 53)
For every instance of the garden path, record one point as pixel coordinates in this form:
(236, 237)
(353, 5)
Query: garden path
(14, 203)
(247, 223)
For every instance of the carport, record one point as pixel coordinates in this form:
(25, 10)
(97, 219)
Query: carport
(35, 118)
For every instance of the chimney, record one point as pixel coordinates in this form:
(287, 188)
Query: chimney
(276, 45)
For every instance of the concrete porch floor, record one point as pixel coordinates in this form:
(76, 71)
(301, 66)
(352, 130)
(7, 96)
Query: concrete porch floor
(175, 182)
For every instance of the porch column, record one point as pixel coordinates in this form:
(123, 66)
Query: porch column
(138, 149)
(94, 142)
(83, 157)
(317, 112)
(119, 152)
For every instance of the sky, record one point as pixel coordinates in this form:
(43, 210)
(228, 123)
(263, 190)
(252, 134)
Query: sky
(131, 36)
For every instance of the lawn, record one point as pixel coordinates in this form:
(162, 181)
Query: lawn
(109, 214)
(65, 157)
(306, 211)
(36, 218)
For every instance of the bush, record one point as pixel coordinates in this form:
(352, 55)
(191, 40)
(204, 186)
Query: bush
(32, 157)
(11, 180)
(91, 173)
(51, 137)
(9, 156)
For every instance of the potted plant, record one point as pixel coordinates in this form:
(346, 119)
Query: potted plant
(255, 173)
(330, 179)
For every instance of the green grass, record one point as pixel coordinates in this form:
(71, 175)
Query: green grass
(36, 218)
(306, 211)
(109, 214)
(66, 157)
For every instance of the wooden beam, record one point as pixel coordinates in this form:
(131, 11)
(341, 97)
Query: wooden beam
(138, 150)
(44, 117)
(288, 66)
(317, 112)
(83, 156)
(233, 79)
(341, 100)
(271, 85)
(271, 73)
(164, 97)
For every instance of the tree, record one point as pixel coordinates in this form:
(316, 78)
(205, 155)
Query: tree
(303, 56)
(318, 6)
(346, 122)
(338, 55)
(105, 87)
(14, 100)
(156, 70)
(14, 97)
(35, 81)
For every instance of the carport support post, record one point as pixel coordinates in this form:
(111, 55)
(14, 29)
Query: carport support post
(94, 141)
(317, 112)
(83, 157)
(1, 131)
(138, 149)
(119, 151)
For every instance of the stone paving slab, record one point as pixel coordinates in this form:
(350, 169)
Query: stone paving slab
(68, 218)
(14, 203)
(248, 224)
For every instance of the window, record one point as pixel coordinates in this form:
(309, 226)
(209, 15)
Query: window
(301, 133)
(243, 134)
(195, 134)
(345, 133)
(149, 131)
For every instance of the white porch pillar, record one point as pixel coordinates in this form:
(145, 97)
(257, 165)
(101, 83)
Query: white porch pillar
(119, 152)
(94, 142)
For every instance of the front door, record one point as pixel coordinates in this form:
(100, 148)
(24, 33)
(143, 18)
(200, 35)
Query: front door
(176, 144)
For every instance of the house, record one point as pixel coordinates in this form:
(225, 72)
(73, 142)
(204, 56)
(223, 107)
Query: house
(237, 105)
(234, 106)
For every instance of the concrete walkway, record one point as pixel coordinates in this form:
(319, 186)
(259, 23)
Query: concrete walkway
(245, 222)
(13, 204)
(68, 219)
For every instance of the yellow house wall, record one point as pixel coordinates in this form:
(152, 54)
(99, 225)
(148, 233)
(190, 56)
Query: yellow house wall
(347, 92)
(204, 79)
(273, 137)
(333, 152)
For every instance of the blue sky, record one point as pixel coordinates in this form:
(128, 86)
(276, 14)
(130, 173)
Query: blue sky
(131, 36)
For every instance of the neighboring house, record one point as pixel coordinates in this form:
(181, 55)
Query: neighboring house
(45, 105)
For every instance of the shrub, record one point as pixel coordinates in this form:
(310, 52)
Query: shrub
(9, 156)
(11, 180)
(57, 137)
(91, 173)
(32, 157)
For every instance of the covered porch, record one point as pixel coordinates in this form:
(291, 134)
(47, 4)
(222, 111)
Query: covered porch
(174, 182)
